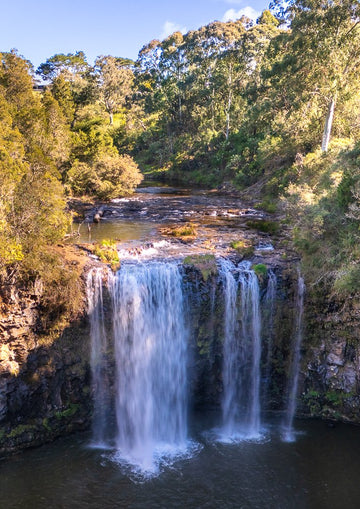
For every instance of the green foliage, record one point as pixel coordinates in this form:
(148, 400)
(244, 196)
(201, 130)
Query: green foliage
(70, 411)
(347, 281)
(263, 226)
(206, 264)
(32, 204)
(108, 177)
(313, 400)
(117, 176)
(20, 430)
(107, 252)
(186, 230)
(269, 205)
(243, 247)
(260, 270)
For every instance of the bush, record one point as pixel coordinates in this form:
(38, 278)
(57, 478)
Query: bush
(109, 177)
(260, 270)
(348, 281)
(107, 252)
(243, 247)
(264, 226)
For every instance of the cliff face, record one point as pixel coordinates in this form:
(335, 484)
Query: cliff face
(331, 360)
(44, 380)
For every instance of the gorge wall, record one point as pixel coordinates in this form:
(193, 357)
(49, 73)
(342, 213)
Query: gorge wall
(44, 378)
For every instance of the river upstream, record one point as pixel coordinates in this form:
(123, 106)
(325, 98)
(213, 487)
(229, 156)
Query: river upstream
(150, 446)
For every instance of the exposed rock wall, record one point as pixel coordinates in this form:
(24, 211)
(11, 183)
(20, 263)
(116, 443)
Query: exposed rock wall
(44, 380)
(205, 314)
(331, 357)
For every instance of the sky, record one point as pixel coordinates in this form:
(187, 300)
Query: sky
(39, 29)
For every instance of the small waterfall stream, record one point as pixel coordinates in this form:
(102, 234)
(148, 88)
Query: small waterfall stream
(288, 433)
(99, 365)
(242, 351)
(270, 305)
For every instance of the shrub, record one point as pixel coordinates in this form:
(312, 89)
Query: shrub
(243, 247)
(116, 176)
(110, 176)
(263, 226)
(260, 270)
(107, 252)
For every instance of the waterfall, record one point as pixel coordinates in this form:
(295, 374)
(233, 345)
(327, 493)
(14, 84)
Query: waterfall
(99, 364)
(270, 299)
(288, 433)
(150, 349)
(241, 351)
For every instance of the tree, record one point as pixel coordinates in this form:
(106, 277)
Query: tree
(69, 66)
(115, 79)
(323, 53)
(32, 204)
(72, 81)
(109, 176)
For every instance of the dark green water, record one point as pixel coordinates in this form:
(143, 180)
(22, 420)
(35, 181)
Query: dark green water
(320, 470)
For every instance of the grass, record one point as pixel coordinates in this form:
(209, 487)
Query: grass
(206, 264)
(243, 247)
(260, 270)
(186, 232)
(263, 226)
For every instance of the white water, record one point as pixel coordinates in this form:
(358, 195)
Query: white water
(241, 352)
(99, 346)
(270, 303)
(151, 357)
(288, 432)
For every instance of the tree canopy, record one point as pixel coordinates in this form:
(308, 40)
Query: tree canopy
(274, 103)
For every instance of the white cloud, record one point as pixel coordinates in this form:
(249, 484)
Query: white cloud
(249, 12)
(169, 28)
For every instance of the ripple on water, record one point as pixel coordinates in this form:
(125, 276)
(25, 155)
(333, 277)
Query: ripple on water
(237, 436)
(164, 456)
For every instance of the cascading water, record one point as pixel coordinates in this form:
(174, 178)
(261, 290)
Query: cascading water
(149, 345)
(99, 365)
(288, 433)
(270, 301)
(241, 352)
(151, 358)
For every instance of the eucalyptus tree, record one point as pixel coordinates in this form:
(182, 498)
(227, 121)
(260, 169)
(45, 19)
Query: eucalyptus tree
(322, 61)
(115, 80)
(72, 81)
(216, 62)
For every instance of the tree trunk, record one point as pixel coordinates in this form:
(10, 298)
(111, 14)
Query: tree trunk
(328, 125)
(213, 109)
(111, 118)
(228, 108)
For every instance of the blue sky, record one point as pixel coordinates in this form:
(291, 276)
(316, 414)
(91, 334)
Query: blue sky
(39, 29)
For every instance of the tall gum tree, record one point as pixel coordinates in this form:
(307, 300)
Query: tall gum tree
(115, 79)
(324, 42)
